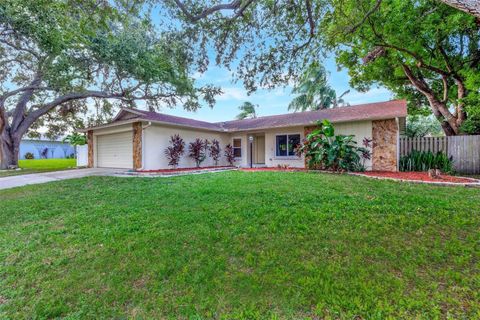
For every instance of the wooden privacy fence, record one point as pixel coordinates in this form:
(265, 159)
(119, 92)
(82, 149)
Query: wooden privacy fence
(464, 150)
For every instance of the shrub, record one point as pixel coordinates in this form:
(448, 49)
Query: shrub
(29, 156)
(197, 150)
(425, 160)
(175, 151)
(229, 154)
(214, 151)
(327, 151)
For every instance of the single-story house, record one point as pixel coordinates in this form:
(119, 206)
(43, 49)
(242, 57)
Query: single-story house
(45, 148)
(137, 139)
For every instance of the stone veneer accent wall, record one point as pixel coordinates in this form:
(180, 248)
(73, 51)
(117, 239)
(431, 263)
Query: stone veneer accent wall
(384, 145)
(137, 145)
(90, 148)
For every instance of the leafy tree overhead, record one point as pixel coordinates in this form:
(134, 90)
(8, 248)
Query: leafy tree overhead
(425, 50)
(313, 91)
(57, 54)
(247, 110)
(422, 50)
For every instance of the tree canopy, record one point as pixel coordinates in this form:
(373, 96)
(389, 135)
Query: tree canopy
(57, 54)
(425, 50)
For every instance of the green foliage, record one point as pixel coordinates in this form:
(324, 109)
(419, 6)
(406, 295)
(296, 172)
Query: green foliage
(327, 151)
(313, 91)
(29, 156)
(420, 126)
(76, 139)
(432, 40)
(426, 160)
(239, 245)
(247, 110)
(472, 124)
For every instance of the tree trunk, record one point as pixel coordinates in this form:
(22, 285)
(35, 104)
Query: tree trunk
(9, 150)
(469, 6)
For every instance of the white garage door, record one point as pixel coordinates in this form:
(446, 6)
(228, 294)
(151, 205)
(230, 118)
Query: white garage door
(115, 150)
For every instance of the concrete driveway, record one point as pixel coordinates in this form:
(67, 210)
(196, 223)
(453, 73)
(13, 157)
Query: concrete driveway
(35, 178)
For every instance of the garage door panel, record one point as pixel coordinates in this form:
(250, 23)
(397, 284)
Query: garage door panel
(115, 150)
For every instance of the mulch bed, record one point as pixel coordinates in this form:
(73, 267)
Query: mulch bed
(273, 169)
(418, 176)
(184, 169)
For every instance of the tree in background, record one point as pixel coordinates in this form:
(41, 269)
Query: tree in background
(58, 56)
(175, 151)
(214, 150)
(197, 151)
(313, 91)
(421, 126)
(247, 111)
(75, 139)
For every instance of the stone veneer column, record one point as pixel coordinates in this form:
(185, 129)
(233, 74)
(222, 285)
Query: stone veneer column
(384, 145)
(90, 148)
(137, 145)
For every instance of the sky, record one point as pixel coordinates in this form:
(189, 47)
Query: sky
(270, 102)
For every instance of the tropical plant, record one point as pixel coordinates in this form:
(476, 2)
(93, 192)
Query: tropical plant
(197, 150)
(29, 156)
(313, 91)
(229, 154)
(248, 110)
(75, 139)
(326, 151)
(175, 151)
(214, 151)
(426, 160)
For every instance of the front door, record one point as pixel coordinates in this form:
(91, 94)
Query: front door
(260, 149)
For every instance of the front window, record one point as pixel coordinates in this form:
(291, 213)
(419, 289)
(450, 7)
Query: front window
(237, 148)
(286, 144)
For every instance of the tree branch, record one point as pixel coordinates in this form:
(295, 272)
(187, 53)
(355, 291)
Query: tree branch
(365, 17)
(233, 5)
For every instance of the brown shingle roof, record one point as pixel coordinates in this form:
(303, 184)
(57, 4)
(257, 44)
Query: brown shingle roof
(161, 117)
(368, 111)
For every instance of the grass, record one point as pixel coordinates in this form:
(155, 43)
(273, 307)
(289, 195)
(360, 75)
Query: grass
(40, 165)
(239, 245)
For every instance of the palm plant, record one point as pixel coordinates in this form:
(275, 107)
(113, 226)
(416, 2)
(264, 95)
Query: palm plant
(247, 111)
(75, 139)
(313, 91)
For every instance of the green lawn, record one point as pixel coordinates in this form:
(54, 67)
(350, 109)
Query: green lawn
(40, 165)
(239, 245)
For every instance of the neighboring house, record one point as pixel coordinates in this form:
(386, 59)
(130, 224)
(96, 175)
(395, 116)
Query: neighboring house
(137, 139)
(44, 148)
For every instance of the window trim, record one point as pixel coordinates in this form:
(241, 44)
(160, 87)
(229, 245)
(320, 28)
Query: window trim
(295, 157)
(233, 146)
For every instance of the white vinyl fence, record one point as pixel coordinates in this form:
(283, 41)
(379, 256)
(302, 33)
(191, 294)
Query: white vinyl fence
(82, 156)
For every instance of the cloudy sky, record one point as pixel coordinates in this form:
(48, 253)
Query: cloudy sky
(270, 101)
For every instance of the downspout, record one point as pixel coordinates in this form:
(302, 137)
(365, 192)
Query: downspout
(397, 121)
(143, 145)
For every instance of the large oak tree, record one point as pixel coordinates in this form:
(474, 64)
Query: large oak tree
(56, 56)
